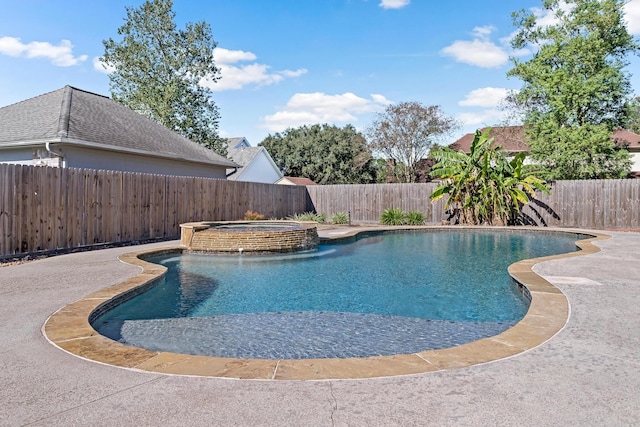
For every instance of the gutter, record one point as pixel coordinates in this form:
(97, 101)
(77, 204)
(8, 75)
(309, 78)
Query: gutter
(104, 147)
(47, 146)
(232, 173)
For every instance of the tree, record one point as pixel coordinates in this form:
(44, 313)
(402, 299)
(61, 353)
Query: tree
(406, 133)
(323, 153)
(634, 115)
(575, 92)
(484, 186)
(158, 70)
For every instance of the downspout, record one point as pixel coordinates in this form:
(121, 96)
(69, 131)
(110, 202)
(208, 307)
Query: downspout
(231, 173)
(47, 146)
(63, 122)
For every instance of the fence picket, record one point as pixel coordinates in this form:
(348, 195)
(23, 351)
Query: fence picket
(45, 208)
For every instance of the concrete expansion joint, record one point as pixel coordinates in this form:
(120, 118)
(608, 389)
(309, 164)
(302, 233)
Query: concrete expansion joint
(506, 343)
(423, 358)
(76, 338)
(275, 370)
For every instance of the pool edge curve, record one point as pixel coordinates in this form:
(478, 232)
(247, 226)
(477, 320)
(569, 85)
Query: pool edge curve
(69, 328)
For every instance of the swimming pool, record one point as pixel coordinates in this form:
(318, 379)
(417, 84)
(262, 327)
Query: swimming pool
(379, 295)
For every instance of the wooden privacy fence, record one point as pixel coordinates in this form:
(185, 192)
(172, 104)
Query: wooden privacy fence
(366, 202)
(586, 204)
(44, 209)
(611, 203)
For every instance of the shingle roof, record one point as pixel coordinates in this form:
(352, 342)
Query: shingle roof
(234, 142)
(512, 139)
(243, 156)
(300, 180)
(626, 138)
(79, 117)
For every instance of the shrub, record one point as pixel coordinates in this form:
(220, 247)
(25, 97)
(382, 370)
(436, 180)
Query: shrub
(414, 218)
(253, 216)
(340, 218)
(392, 216)
(308, 216)
(321, 218)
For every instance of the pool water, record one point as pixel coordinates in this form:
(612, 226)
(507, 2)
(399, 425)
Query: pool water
(379, 295)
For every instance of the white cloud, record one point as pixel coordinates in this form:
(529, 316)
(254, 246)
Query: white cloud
(546, 18)
(483, 32)
(236, 76)
(490, 101)
(318, 107)
(60, 55)
(226, 56)
(380, 99)
(393, 4)
(487, 117)
(100, 66)
(632, 15)
(480, 51)
(485, 97)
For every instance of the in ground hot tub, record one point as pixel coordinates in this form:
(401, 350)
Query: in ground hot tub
(249, 236)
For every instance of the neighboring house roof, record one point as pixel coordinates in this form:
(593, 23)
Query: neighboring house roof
(292, 180)
(244, 156)
(237, 142)
(627, 139)
(82, 118)
(512, 139)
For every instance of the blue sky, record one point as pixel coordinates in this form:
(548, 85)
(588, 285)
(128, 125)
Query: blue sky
(291, 62)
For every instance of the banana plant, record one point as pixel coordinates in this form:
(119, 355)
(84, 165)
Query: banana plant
(484, 186)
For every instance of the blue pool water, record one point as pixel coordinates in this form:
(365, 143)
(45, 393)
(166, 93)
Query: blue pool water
(379, 295)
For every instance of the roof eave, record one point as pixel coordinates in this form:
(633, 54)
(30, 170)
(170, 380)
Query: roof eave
(105, 147)
(26, 143)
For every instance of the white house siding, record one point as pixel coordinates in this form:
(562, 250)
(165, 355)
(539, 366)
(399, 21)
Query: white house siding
(260, 169)
(635, 162)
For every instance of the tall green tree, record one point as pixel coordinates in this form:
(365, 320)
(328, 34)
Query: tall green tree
(406, 133)
(158, 69)
(575, 91)
(323, 153)
(634, 115)
(484, 186)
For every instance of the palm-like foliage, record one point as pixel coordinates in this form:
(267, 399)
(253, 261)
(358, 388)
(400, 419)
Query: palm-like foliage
(484, 186)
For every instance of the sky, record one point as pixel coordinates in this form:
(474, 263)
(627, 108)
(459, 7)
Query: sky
(286, 63)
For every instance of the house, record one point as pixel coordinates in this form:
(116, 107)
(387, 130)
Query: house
(293, 180)
(631, 141)
(256, 164)
(73, 128)
(512, 139)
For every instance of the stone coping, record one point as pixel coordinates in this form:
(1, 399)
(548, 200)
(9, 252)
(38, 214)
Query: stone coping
(69, 329)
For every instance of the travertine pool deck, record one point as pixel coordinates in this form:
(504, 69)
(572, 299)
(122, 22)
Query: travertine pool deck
(587, 373)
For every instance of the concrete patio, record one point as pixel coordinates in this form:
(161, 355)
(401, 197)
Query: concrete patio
(588, 374)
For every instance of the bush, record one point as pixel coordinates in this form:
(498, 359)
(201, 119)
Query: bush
(253, 216)
(392, 216)
(340, 218)
(308, 216)
(414, 218)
